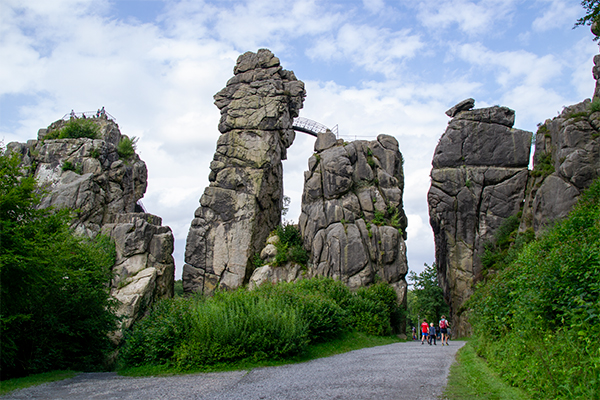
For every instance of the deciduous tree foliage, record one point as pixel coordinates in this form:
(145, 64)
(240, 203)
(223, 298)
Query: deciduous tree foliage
(55, 307)
(592, 16)
(426, 299)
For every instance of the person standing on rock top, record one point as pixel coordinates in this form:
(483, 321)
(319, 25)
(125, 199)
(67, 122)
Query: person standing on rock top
(444, 325)
(424, 330)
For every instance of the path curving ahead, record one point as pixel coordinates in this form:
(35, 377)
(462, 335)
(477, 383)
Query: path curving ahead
(397, 371)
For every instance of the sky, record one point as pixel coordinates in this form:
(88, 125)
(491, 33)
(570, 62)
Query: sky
(370, 67)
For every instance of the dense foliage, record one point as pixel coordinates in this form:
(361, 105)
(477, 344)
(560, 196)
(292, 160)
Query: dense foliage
(76, 128)
(536, 321)
(426, 298)
(55, 309)
(271, 322)
(505, 247)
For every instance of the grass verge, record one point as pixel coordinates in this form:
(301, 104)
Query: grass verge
(32, 380)
(347, 342)
(471, 379)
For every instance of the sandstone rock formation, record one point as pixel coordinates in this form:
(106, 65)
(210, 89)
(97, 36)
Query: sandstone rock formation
(103, 187)
(479, 178)
(269, 272)
(243, 203)
(352, 221)
(86, 175)
(144, 268)
(566, 161)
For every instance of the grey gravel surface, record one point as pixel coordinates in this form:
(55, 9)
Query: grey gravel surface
(397, 371)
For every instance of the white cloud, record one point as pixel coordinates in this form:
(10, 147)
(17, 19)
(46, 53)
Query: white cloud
(471, 17)
(374, 49)
(513, 66)
(558, 14)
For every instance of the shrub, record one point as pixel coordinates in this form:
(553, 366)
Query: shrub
(126, 147)
(289, 247)
(76, 128)
(540, 313)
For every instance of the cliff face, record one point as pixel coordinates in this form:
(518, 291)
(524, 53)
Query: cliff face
(103, 187)
(85, 174)
(243, 203)
(478, 180)
(566, 161)
(352, 221)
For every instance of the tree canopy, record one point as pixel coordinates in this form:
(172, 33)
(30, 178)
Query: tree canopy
(55, 305)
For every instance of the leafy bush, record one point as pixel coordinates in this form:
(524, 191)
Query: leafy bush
(540, 314)
(289, 247)
(55, 307)
(271, 322)
(126, 147)
(76, 128)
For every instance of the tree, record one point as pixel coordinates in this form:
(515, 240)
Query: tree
(55, 305)
(426, 298)
(592, 17)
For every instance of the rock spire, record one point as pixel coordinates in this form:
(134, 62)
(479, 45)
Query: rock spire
(243, 203)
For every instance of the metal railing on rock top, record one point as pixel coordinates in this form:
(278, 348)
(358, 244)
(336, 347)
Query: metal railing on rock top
(89, 114)
(311, 127)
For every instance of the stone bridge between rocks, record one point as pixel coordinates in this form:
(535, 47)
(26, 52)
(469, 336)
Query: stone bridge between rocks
(311, 127)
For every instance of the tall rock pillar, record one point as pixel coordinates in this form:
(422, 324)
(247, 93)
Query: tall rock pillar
(478, 180)
(243, 202)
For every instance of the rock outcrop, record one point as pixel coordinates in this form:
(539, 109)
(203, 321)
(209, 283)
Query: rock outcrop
(352, 221)
(478, 180)
(103, 184)
(243, 203)
(270, 272)
(566, 162)
(144, 268)
(86, 175)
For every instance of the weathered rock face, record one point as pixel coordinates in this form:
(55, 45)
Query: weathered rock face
(144, 270)
(566, 162)
(243, 203)
(289, 272)
(89, 176)
(352, 221)
(100, 184)
(479, 179)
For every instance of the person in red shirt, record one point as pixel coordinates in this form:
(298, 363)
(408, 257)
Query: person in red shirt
(424, 330)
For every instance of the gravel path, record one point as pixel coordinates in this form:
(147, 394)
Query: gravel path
(397, 371)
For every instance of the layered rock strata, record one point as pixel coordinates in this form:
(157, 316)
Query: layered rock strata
(352, 221)
(144, 270)
(243, 203)
(478, 180)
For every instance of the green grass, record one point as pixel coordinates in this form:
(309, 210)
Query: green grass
(32, 380)
(347, 342)
(471, 379)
